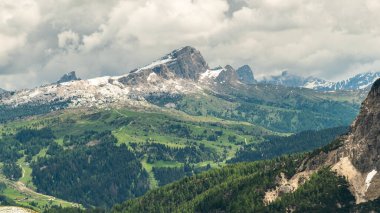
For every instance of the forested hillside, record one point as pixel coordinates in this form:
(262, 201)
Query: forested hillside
(241, 188)
(274, 146)
(68, 154)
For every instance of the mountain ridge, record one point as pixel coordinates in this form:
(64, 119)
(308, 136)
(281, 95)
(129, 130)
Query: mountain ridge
(183, 71)
(183, 81)
(361, 81)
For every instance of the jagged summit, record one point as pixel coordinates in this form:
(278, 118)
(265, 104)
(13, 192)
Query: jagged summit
(184, 63)
(190, 63)
(227, 75)
(245, 75)
(71, 76)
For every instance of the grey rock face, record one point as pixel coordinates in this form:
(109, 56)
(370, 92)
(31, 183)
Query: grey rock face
(71, 76)
(358, 156)
(365, 143)
(189, 64)
(228, 75)
(184, 63)
(245, 75)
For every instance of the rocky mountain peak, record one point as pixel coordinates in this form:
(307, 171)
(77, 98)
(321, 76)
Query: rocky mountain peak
(245, 75)
(190, 63)
(227, 75)
(185, 63)
(71, 76)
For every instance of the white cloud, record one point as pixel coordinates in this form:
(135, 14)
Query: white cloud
(328, 38)
(68, 40)
(17, 19)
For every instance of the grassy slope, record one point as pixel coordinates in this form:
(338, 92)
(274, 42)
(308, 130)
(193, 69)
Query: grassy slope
(131, 126)
(27, 197)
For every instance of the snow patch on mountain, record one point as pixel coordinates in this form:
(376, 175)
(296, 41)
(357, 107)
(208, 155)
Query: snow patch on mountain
(157, 63)
(369, 178)
(211, 73)
(317, 84)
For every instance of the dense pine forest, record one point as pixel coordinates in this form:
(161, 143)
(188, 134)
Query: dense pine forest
(93, 176)
(276, 146)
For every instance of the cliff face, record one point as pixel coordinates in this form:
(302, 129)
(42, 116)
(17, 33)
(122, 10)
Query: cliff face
(361, 150)
(363, 144)
(354, 156)
(245, 75)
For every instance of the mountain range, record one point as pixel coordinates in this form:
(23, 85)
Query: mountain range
(182, 80)
(183, 71)
(98, 142)
(358, 82)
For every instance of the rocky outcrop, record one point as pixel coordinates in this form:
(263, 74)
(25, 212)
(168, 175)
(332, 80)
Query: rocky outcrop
(185, 63)
(362, 148)
(190, 64)
(355, 156)
(245, 75)
(227, 75)
(71, 76)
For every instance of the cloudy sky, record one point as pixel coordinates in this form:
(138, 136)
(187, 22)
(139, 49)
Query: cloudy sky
(40, 40)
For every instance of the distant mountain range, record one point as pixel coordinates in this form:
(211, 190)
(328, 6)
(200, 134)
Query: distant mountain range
(182, 80)
(358, 82)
